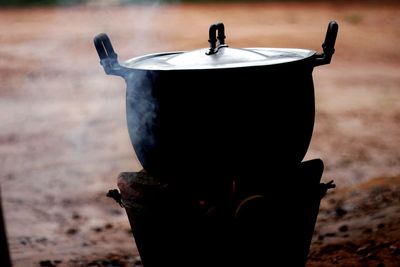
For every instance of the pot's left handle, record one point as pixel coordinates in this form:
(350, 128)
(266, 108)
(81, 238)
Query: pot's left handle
(108, 58)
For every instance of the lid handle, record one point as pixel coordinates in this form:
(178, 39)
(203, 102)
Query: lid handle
(213, 37)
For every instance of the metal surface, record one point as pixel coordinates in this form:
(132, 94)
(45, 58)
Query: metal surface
(253, 226)
(236, 107)
(223, 58)
(218, 56)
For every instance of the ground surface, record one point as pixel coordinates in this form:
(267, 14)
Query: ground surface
(63, 137)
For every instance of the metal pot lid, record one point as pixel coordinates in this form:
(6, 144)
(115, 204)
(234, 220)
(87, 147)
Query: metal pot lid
(225, 57)
(219, 55)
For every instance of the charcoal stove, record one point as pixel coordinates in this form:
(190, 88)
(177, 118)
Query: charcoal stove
(221, 134)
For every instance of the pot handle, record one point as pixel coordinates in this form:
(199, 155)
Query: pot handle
(108, 58)
(328, 46)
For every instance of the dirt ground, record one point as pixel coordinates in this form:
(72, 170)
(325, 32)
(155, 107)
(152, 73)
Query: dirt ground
(63, 137)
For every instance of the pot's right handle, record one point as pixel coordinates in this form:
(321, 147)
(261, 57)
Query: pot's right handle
(328, 46)
(108, 58)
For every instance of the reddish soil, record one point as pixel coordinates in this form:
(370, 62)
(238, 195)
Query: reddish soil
(63, 137)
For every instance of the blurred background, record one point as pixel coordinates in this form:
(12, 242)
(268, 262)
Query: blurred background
(63, 137)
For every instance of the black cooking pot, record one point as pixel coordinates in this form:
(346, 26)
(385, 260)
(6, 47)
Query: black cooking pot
(219, 110)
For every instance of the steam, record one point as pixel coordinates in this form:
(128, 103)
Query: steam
(141, 106)
(142, 109)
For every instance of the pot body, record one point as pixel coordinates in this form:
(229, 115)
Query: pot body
(224, 121)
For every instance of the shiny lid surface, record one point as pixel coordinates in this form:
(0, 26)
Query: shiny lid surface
(225, 57)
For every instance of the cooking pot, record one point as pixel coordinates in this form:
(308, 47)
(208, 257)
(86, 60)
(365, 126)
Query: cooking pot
(219, 110)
